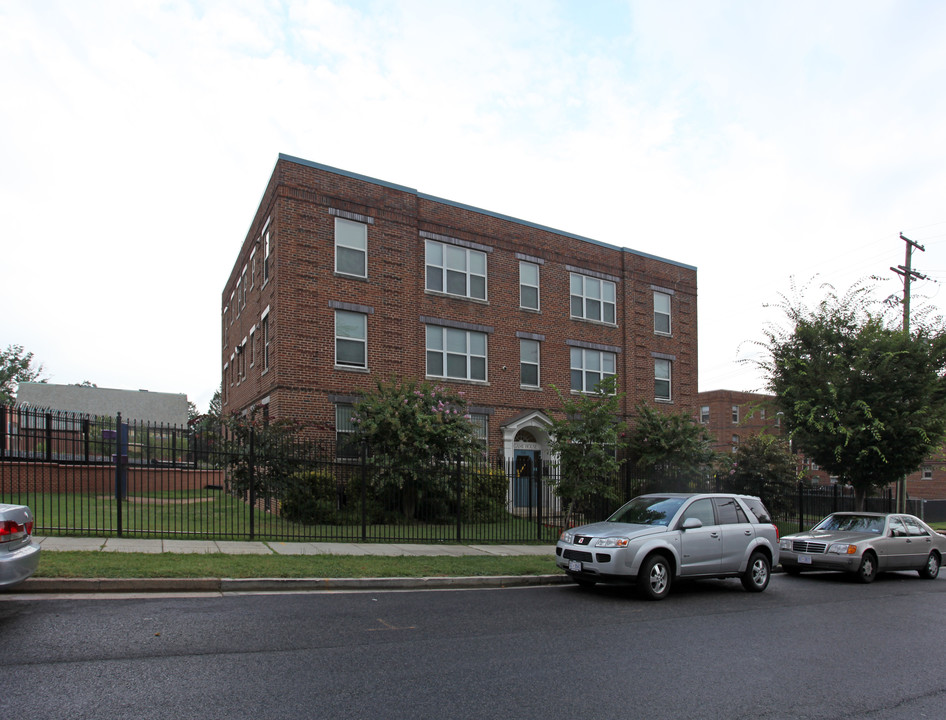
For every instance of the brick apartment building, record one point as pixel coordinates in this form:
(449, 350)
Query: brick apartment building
(732, 416)
(344, 280)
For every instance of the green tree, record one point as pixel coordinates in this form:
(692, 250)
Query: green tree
(762, 465)
(16, 366)
(668, 443)
(408, 426)
(587, 441)
(261, 453)
(860, 397)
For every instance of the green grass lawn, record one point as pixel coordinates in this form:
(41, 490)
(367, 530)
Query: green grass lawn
(195, 565)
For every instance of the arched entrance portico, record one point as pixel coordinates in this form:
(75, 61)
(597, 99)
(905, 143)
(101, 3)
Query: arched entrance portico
(526, 450)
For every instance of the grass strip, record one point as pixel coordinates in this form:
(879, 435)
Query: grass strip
(75, 564)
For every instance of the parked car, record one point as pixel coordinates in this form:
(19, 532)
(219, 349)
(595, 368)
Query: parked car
(19, 552)
(865, 544)
(654, 539)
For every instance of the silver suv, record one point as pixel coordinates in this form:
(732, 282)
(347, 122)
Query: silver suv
(655, 538)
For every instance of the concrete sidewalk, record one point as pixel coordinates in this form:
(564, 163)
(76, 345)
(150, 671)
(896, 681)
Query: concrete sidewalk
(83, 587)
(237, 547)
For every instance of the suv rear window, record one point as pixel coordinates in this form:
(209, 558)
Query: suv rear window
(757, 509)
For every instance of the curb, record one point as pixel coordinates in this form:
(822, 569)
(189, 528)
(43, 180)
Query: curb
(233, 585)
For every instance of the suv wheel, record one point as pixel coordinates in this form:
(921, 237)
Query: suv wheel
(757, 574)
(655, 577)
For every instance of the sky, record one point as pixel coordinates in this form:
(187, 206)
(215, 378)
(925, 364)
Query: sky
(770, 145)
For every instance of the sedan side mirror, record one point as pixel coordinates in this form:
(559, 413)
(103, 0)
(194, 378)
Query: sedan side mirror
(692, 523)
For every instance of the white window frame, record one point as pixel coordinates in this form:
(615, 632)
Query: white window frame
(442, 270)
(447, 349)
(353, 340)
(662, 311)
(537, 363)
(583, 289)
(264, 327)
(663, 377)
(589, 362)
(344, 428)
(344, 246)
(267, 252)
(524, 284)
(705, 414)
(735, 414)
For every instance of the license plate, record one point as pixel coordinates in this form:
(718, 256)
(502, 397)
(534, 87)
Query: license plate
(574, 565)
(804, 559)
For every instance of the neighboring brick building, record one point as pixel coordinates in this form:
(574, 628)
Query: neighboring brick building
(731, 416)
(344, 280)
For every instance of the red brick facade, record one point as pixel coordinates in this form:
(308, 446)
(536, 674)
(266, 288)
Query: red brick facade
(297, 217)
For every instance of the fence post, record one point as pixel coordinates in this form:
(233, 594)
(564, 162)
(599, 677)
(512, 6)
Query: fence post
(459, 500)
(801, 507)
(3, 430)
(118, 473)
(538, 495)
(364, 491)
(251, 469)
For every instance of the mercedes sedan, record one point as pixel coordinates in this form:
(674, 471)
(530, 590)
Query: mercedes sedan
(655, 539)
(864, 544)
(19, 553)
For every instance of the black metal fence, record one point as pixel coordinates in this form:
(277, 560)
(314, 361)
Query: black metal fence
(96, 476)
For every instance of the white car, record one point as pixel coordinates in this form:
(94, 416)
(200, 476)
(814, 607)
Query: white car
(19, 552)
(656, 538)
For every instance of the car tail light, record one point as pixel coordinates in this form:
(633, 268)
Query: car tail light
(776, 532)
(11, 530)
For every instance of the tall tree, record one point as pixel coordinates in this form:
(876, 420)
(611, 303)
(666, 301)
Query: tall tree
(587, 440)
(16, 366)
(862, 398)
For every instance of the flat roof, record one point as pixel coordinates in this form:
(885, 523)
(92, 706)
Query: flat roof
(462, 206)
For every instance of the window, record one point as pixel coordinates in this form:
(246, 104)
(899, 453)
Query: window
(592, 299)
(265, 331)
(455, 353)
(702, 510)
(729, 512)
(351, 248)
(242, 283)
(735, 443)
(480, 426)
(589, 367)
(704, 414)
(927, 472)
(351, 339)
(661, 313)
(253, 268)
(529, 285)
(252, 347)
(913, 527)
(529, 363)
(267, 251)
(662, 379)
(345, 445)
(456, 270)
(735, 413)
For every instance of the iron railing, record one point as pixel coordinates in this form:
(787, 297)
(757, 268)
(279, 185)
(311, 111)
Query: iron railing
(95, 476)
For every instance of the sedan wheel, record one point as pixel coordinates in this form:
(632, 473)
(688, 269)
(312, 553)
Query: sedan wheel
(931, 569)
(756, 576)
(868, 569)
(655, 577)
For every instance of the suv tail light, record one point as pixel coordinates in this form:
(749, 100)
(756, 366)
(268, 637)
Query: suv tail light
(11, 530)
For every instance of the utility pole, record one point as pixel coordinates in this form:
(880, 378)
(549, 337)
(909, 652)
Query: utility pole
(909, 274)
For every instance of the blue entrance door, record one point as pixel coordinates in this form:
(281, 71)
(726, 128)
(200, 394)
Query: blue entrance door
(526, 484)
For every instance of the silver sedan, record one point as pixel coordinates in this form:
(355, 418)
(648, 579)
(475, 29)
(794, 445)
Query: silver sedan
(865, 544)
(19, 552)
